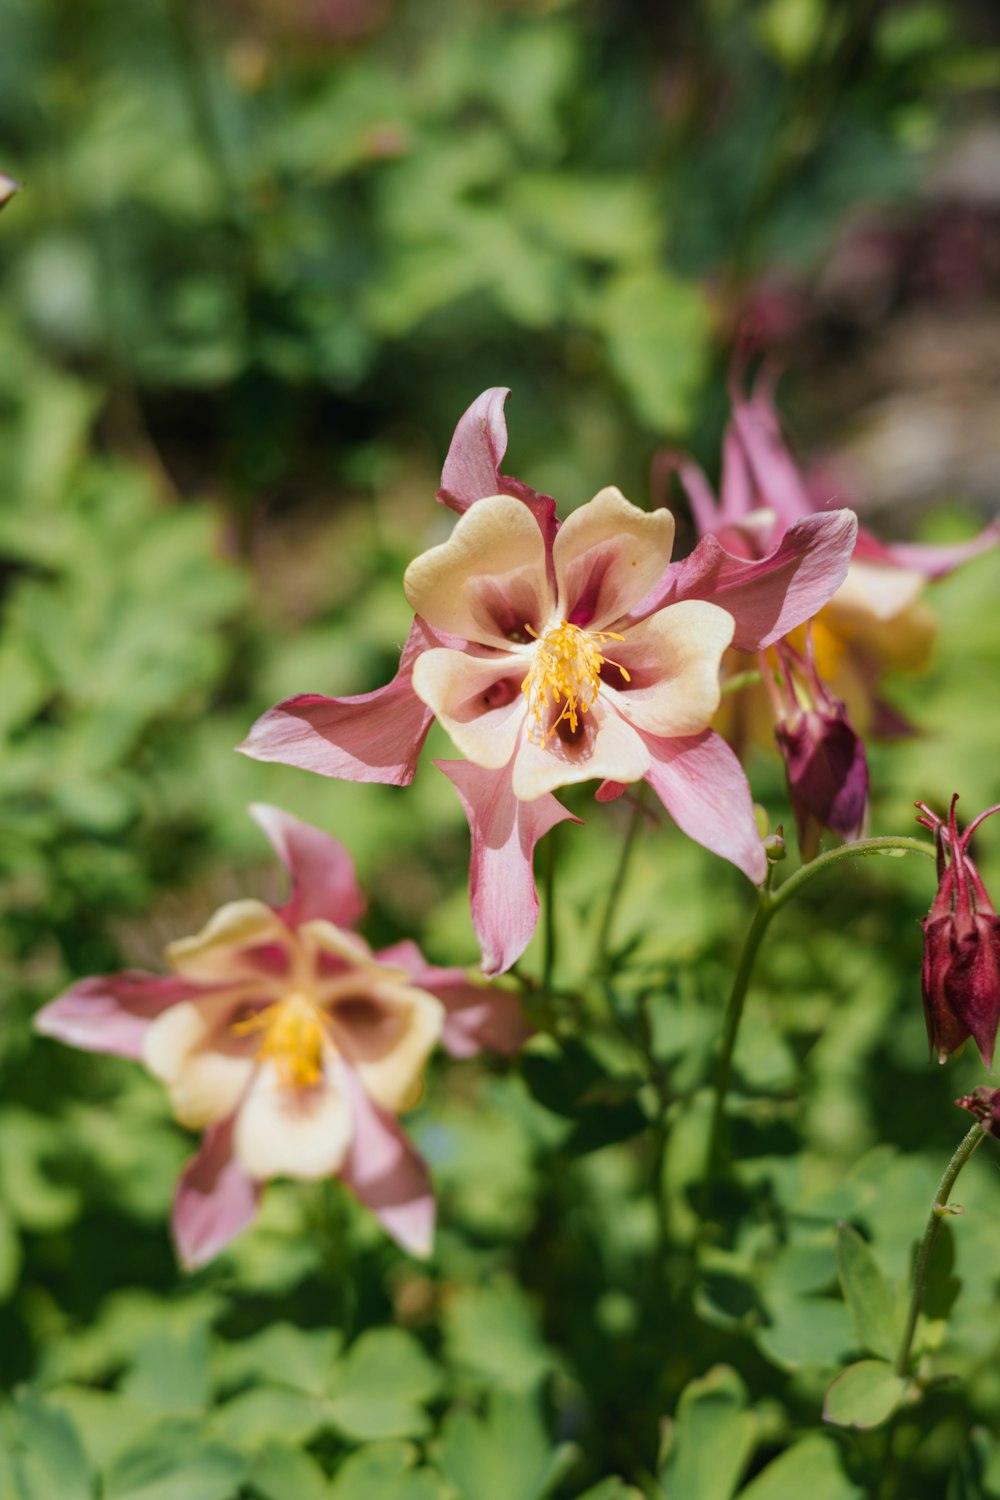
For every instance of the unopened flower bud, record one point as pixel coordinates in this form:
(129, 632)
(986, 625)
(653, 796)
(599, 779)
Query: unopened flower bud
(774, 846)
(984, 1103)
(961, 964)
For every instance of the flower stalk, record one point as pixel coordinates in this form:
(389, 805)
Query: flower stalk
(939, 1210)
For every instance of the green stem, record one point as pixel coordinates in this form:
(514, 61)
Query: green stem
(770, 903)
(549, 929)
(602, 961)
(921, 1265)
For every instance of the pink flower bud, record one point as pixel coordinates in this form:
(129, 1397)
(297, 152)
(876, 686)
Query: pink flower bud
(825, 759)
(8, 187)
(961, 965)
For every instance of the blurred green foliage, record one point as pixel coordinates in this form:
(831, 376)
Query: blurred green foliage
(265, 256)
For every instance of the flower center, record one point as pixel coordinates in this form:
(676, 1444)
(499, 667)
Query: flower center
(293, 1037)
(567, 668)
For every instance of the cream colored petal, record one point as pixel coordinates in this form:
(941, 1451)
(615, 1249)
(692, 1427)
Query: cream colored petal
(488, 580)
(320, 937)
(673, 659)
(214, 954)
(607, 555)
(876, 591)
(387, 1032)
(283, 1131)
(204, 1064)
(477, 699)
(606, 747)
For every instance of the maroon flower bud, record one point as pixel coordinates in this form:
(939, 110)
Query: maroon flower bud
(984, 1103)
(824, 758)
(961, 967)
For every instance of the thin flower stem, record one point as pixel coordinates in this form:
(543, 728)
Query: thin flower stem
(549, 927)
(771, 901)
(602, 961)
(939, 1208)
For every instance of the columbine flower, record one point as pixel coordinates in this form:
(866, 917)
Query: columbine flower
(876, 620)
(292, 1045)
(8, 187)
(554, 655)
(961, 966)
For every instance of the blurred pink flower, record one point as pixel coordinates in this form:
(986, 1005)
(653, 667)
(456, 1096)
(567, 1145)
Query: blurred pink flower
(559, 654)
(291, 1044)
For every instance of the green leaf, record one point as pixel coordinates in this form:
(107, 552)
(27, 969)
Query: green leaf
(175, 1463)
(611, 1489)
(280, 1472)
(869, 1300)
(270, 1411)
(864, 1395)
(170, 1372)
(656, 328)
(379, 1387)
(385, 1470)
(492, 1331)
(811, 1469)
(281, 1354)
(710, 1440)
(505, 1455)
(49, 1462)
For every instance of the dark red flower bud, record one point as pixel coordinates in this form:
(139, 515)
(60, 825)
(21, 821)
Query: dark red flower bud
(984, 1103)
(961, 966)
(824, 757)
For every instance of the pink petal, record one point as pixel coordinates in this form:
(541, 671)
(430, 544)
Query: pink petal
(504, 834)
(736, 486)
(477, 1017)
(370, 737)
(755, 422)
(770, 597)
(702, 785)
(322, 872)
(932, 562)
(384, 1170)
(112, 1012)
(472, 468)
(215, 1199)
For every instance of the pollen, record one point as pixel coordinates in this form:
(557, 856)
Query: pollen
(566, 672)
(292, 1040)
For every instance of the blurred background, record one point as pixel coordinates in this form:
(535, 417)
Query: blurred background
(265, 254)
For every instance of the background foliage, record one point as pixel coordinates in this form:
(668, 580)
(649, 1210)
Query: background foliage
(266, 253)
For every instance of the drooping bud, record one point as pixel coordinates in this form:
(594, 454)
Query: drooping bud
(961, 964)
(984, 1103)
(824, 758)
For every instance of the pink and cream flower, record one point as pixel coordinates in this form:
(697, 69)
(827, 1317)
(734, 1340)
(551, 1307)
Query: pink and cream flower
(555, 654)
(282, 1036)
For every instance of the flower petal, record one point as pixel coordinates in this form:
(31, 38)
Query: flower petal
(607, 747)
(384, 1171)
(504, 834)
(778, 481)
(215, 1199)
(477, 699)
(112, 1012)
(323, 881)
(768, 598)
(673, 660)
(477, 1016)
(227, 948)
(374, 736)
(488, 580)
(283, 1131)
(607, 557)
(387, 1031)
(472, 469)
(702, 785)
(205, 1065)
(930, 562)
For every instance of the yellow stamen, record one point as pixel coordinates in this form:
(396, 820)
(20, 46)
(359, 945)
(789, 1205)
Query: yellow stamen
(567, 665)
(294, 1035)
